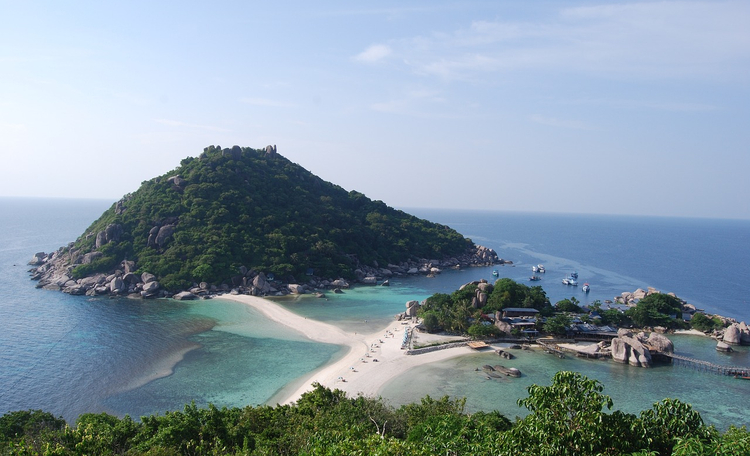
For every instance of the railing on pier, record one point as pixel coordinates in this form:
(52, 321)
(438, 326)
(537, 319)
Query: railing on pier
(550, 346)
(681, 360)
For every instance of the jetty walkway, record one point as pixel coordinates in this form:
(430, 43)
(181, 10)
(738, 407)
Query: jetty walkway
(699, 364)
(550, 346)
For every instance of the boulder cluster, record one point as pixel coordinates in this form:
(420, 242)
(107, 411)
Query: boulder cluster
(734, 332)
(636, 349)
(480, 256)
(631, 298)
(737, 334)
(54, 272)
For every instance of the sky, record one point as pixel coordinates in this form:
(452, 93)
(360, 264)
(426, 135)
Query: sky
(598, 107)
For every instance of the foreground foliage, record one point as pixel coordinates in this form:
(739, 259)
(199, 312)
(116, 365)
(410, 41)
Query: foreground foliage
(569, 417)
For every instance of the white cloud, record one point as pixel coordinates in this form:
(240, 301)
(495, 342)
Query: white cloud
(374, 53)
(654, 40)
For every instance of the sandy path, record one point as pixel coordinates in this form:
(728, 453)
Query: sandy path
(368, 375)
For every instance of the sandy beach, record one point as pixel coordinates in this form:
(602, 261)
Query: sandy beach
(371, 361)
(692, 332)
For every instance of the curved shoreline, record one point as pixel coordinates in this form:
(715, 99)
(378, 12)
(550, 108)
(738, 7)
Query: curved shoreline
(357, 372)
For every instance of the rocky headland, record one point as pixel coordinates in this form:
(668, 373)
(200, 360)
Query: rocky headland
(731, 332)
(54, 271)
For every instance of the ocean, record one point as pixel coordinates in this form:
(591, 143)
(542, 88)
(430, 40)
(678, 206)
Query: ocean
(70, 355)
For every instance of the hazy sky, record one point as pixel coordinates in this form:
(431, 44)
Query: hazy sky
(562, 106)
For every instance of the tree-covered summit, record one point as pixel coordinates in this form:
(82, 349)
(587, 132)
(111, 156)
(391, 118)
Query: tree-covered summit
(229, 208)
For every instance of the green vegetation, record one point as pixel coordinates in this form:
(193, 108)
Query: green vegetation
(657, 309)
(614, 317)
(568, 417)
(458, 313)
(568, 305)
(557, 325)
(702, 323)
(509, 293)
(243, 207)
(461, 313)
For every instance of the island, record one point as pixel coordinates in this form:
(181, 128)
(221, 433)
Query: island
(248, 221)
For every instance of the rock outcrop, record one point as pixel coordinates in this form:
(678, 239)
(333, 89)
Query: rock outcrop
(628, 348)
(411, 309)
(659, 343)
(185, 296)
(111, 234)
(737, 334)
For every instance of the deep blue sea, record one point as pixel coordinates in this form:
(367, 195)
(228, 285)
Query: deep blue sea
(70, 355)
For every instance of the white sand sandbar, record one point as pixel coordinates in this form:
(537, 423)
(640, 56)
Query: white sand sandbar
(357, 372)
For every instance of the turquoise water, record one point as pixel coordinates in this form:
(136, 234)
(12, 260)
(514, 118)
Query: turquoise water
(70, 354)
(722, 400)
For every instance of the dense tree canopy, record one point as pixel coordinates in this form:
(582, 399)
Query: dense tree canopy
(455, 312)
(509, 293)
(569, 417)
(657, 309)
(703, 323)
(241, 206)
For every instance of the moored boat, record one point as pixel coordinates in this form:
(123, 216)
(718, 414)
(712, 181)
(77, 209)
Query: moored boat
(535, 278)
(495, 273)
(586, 287)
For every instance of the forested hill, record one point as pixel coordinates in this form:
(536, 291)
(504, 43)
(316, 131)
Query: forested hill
(252, 208)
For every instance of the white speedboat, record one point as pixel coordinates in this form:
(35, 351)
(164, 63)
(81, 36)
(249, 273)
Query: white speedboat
(540, 268)
(586, 287)
(535, 269)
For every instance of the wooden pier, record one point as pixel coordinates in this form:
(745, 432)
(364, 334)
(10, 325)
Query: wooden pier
(699, 364)
(551, 347)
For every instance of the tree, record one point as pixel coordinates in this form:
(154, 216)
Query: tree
(670, 420)
(479, 330)
(733, 442)
(430, 321)
(509, 293)
(568, 305)
(567, 418)
(656, 309)
(614, 317)
(557, 325)
(703, 323)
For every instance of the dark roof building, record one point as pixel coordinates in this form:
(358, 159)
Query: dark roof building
(519, 312)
